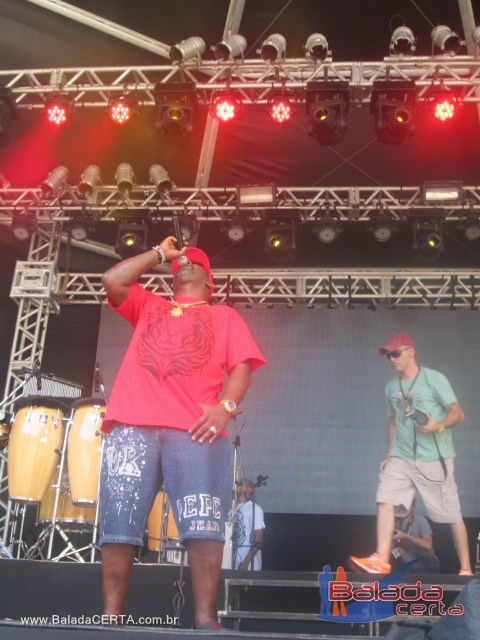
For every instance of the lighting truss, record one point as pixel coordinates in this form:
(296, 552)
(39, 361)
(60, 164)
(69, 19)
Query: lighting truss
(253, 78)
(215, 203)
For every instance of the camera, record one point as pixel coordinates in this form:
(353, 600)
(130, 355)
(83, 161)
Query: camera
(420, 417)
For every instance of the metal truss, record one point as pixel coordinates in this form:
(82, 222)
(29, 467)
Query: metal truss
(253, 79)
(216, 203)
(458, 289)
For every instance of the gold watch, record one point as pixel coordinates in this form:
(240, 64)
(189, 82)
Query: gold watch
(230, 405)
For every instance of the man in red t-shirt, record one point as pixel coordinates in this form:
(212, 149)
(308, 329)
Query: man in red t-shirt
(165, 420)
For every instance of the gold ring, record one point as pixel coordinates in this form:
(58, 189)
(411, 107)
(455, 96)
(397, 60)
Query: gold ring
(212, 429)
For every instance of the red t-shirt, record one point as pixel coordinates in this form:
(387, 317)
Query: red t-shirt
(174, 364)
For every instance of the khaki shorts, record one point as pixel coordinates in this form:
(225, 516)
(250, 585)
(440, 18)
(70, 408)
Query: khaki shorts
(400, 479)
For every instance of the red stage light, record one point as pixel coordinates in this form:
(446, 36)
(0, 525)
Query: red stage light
(444, 109)
(120, 110)
(57, 111)
(281, 111)
(225, 108)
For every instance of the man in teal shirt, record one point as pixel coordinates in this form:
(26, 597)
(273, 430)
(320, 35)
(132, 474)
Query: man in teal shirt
(420, 453)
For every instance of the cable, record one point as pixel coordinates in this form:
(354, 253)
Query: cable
(421, 12)
(267, 28)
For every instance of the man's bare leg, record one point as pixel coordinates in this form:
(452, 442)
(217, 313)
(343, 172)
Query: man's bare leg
(117, 560)
(205, 561)
(385, 528)
(460, 540)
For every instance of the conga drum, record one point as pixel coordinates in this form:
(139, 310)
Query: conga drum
(35, 440)
(69, 516)
(84, 450)
(158, 532)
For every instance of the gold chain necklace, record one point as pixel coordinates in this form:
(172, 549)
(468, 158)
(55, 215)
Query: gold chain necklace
(178, 310)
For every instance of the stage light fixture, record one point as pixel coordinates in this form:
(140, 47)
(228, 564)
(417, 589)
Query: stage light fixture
(273, 47)
(476, 36)
(229, 48)
(256, 194)
(327, 106)
(444, 108)
(23, 225)
(226, 106)
(446, 40)
(186, 49)
(125, 178)
(470, 225)
(176, 106)
(160, 179)
(280, 243)
(403, 42)
(89, 180)
(121, 109)
(443, 192)
(236, 227)
(316, 47)
(392, 103)
(55, 182)
(8, 112)
(427, 240)
(189, 224)
(382, 227)
(132, 239)
(80, 227)
(57, 110)
(281, 108)
(327, 228)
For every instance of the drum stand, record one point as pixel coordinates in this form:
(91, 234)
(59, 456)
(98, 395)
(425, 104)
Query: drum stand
(70, 550)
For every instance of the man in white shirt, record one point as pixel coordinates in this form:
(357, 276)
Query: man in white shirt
(248, 527)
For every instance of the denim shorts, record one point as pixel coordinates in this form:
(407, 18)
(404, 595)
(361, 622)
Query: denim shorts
(137, 460)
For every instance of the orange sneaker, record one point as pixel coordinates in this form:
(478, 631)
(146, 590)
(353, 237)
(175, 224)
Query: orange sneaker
(465, 572)
(372, 564)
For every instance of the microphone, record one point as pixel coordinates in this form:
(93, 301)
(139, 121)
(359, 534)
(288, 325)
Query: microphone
(96, 378)
(177, 229)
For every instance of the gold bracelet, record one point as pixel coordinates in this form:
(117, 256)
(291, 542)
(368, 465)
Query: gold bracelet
(441, 428)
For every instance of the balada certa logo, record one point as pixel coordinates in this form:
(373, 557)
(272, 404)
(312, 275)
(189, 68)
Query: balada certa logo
(341, 601)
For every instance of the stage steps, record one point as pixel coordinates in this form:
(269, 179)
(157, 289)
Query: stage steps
(256, 603)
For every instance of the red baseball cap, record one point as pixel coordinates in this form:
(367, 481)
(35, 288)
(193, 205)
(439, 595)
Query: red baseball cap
(196, 256)
(396, 341)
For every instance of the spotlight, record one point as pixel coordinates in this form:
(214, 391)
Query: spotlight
(280, 243)
(79, 227)
(256, 194)
(273, 47)
(281, 108)
(226, 106)
(236, 228)
(23, 225)
(57, 110)
(327, 107)
(403, 42)
(476, 36)
(327, 228)
(132, 239)
(120, 109)
(382, 227)
(470, 225)
(316, 47)
(446, 40)
(89, 180)
(125, 178)
(392, 104)
(231, 47)
(186, 49)
(8, 112)
(427, 240)
(160, 178)
(55, 182)
(176, 102)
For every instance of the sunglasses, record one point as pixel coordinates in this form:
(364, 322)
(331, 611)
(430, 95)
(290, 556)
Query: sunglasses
(396, 354)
